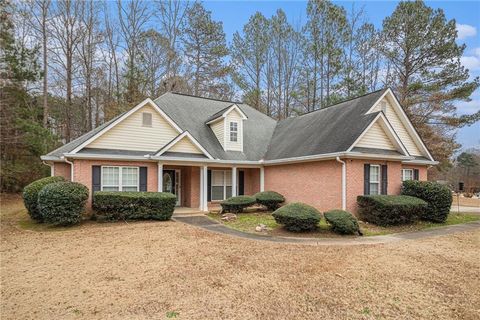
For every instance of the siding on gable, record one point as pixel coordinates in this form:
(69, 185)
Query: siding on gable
(376, 138)
(399, 128)
(131, 135)
(185, 145)
(218, 129)
(238, 145)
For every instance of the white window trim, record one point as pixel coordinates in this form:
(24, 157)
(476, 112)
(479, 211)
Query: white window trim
(120, 185)
(233, 131)
(375, 182)
(225, 172)
(403, 174)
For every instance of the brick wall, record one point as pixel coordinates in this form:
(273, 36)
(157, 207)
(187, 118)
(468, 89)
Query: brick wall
(62, 169)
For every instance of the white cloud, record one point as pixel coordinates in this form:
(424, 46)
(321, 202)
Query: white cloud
(472, 62)
(465, 31)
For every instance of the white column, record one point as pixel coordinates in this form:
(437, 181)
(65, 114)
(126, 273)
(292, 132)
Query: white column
(262, 179)
(200, 198)
(205, 188)
(160, 177)
(234, 181)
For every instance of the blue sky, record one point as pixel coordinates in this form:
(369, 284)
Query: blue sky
(234, 14)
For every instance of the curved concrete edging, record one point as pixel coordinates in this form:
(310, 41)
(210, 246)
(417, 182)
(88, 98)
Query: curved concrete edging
(214, 226)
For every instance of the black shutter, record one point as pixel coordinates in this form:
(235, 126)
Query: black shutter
(143, 178)
(241, 183)
(366, 178)
(209, 185)
(415, 174)
(96, 178)
(384, 177)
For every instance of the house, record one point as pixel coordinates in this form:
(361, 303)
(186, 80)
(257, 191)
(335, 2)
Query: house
(205, 150)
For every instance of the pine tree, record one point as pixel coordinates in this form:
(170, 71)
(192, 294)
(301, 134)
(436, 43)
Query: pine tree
(205, 49)
(419, 43)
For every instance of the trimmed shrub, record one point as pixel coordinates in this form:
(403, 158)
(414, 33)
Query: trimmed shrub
(342, 222)
(297, 217)
(237, 204)
(438, 197)
(62, 203)
(387, 210)
(134, 205)
(30, 195)
(270, 199)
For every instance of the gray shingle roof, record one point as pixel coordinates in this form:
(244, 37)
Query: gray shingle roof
(190, 113)
(329, 130)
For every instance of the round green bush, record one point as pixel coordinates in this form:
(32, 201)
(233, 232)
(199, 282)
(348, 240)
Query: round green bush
(270, 199)
(437, 196)
(62, 203)
(342, 222)
(297, 217)
(237, 204)
(30, 195)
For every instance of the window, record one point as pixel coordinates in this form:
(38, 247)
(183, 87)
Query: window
(146, 119)
(407, 174)
(374, 179)
(233, 131)
(120, 179)
(221, 185)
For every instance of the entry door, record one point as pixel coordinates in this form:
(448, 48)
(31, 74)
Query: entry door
(171, 183)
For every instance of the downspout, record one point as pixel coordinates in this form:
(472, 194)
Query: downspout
(71, 168)
(51, 168)
(344, 183)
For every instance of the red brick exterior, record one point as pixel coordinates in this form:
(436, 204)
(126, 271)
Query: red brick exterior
(316, 183)
(320, 183)
(62, 169)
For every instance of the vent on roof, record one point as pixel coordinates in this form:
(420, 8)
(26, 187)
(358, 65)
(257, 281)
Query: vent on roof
(146, 119)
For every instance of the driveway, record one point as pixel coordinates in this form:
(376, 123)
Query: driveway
(155, 270)
(466, 209)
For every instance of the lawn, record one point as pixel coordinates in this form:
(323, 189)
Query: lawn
(247, 222)
(164, 270)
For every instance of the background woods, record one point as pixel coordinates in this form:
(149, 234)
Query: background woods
(68, 66)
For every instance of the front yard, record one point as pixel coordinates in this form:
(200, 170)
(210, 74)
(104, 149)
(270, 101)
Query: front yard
(161, 270)
(248, 221)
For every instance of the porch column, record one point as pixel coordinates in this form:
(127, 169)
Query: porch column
(160, 177)
(205, 188)
(262, 179)
(200, 198)
(234, 181)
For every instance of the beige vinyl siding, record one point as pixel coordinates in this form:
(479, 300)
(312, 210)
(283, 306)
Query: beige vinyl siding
(218, 129)
(185, 145)
(236, 117)
(376, 138)
(399, 128)
(129, 134)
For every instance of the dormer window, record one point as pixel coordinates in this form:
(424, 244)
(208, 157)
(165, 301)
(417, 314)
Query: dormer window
(233, 131)
(146, 119)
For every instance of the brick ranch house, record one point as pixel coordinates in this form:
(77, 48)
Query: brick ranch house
(205, 150)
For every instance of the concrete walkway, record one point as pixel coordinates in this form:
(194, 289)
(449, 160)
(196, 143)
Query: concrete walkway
(214, 226)
(456, 209)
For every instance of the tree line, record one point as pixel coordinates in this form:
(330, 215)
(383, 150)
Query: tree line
(68, 66)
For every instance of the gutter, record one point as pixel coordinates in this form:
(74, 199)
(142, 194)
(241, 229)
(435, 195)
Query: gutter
(344, 183)
(51, 168)
(71, 168)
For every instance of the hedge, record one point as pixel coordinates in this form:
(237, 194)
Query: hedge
(386, 210)
(30, 195)
(134, 205)
(438, 197)
(237, 204)
(297, 217)
(62, 203)
(342, 222)
(270, 199)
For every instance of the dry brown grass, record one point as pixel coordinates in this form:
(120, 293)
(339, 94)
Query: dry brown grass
(148, 269)
(467, 202)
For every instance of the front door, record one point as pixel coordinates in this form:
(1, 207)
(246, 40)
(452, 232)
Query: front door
(171, 183)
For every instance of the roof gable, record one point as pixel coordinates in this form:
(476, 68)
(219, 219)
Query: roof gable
(183, 143)
(127, 132)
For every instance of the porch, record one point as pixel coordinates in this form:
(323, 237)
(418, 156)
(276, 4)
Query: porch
(201, 188)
